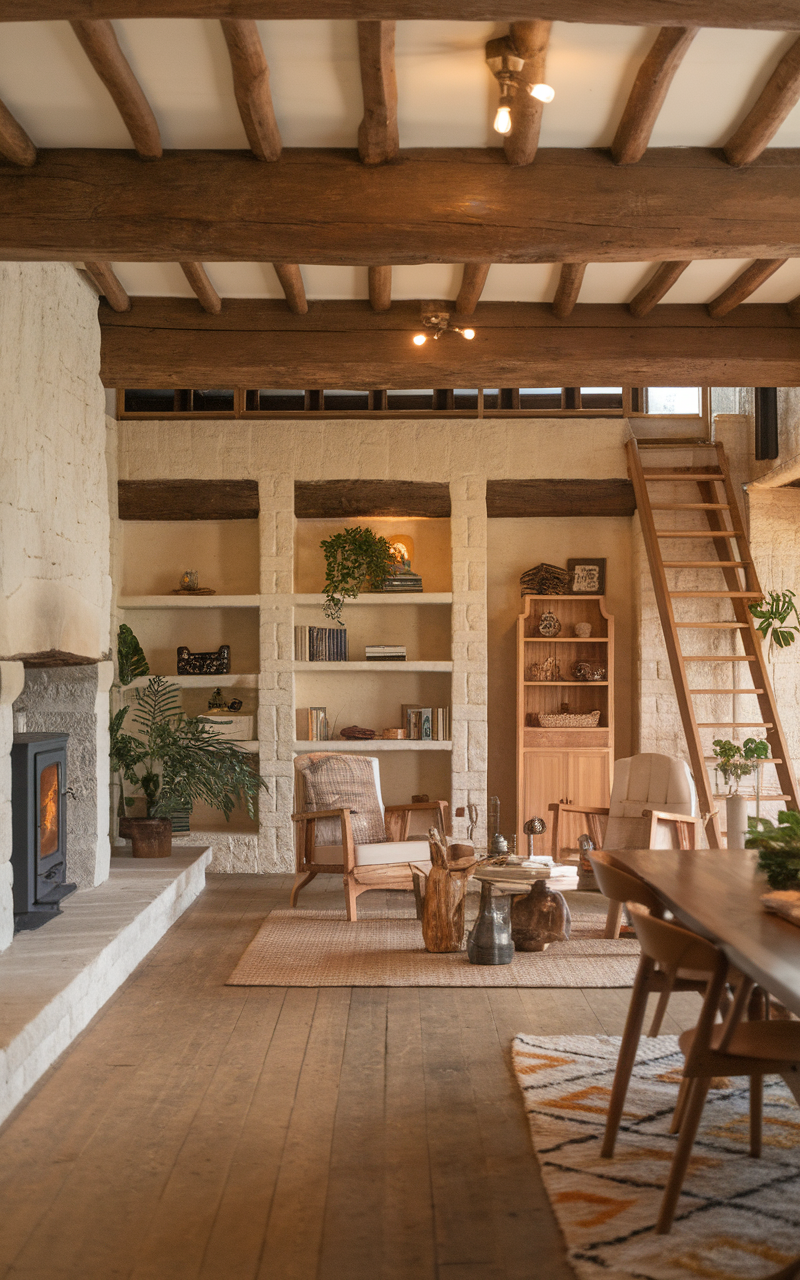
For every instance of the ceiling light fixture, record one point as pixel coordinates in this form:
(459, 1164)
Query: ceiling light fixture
(506, 66)
(440, 323)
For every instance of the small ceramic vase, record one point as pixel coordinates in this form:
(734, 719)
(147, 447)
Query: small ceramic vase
(549, 625)
(583, 629)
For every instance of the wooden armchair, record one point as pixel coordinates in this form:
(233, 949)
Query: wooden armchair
(371, 845)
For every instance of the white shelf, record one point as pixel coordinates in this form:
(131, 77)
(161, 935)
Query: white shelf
(188, 602)
(230, 681)
(372, 666)
(380, 744)
(384, 597)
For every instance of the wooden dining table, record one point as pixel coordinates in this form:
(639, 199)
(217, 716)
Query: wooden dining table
(717, 893)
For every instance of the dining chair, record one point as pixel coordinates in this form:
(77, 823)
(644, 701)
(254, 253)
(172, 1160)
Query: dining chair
(622, 887)
(729, 1048)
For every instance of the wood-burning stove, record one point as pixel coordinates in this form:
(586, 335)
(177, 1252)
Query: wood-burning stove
(38, 827)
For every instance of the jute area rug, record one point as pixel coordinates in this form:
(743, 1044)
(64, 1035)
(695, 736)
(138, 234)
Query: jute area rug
(738, 1218)
(303, 948)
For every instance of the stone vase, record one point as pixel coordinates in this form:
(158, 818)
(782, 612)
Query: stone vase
(539, 918)
(150, 837)
(736, 809)
(490, 940)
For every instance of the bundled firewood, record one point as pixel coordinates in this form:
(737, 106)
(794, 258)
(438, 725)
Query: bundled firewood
(545, 580)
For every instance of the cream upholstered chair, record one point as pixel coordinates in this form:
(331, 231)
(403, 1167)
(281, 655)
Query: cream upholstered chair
(653, 806)
(344, 828)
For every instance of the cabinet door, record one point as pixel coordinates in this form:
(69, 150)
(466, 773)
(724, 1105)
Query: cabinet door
(544, 781)
(586, 783)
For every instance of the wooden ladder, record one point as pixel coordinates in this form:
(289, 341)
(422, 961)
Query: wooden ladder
(720, 535)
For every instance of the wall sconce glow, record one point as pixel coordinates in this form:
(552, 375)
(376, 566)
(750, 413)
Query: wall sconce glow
(502, 121)
(541, 91)
(419, 339)
(469, 334)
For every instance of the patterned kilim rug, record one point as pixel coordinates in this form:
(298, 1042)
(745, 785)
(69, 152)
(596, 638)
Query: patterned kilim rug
(738, 1218)
(300, 948)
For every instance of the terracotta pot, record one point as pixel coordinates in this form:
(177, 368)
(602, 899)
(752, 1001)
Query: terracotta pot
(151, 837)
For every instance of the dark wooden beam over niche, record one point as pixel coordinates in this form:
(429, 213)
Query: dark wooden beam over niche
(777, 15)
(514, 498)
(172, 343)
(343, 499)
(188, 499)
(431, 205)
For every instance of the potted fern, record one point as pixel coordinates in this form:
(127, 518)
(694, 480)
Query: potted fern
(174, 760)
(353, 559)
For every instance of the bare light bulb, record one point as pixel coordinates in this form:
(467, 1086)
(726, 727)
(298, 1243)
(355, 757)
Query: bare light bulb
(469, 334)
(541, 91)
(502, 121)
(419, 339)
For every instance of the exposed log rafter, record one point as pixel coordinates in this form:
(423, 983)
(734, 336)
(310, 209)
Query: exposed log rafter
(251, 87)
(207, 295)
(380, 288)
(744, 285)
(294, 290)
(656, 288)
(378, 134)
(648, 93)
(15, 144)
(569, 287)
(109, 286)
(101, 46)
(530, 40)
(779, 95)
(472, 283)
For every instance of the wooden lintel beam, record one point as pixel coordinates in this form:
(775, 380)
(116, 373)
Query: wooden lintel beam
(530, 40)
(649, 90)
(188, 499)
(779, 95)
(291, 280)
(656, 288)
(772, 15)
(339, 499)
(569, 287)
(437, 205)
(472, 282)
(378, 133)
(101, 46)
(251, 86)
(380, 288)
(513, 499)
(108, 284)
(207, 295)
(744, 285)
(170, 342)
(15, 144)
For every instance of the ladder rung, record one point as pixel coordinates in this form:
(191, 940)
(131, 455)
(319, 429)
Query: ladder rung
(763, 760)
(674, 442)
(690, 476)
(702, 533)
(717, 626)
(689, 506)
(718, 595)
(713, 657)
(735, 724)
(745, 692)
(705, 564)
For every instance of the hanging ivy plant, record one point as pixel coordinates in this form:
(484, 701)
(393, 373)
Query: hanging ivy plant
(353, 559)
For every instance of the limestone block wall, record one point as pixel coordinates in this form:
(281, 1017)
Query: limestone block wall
(468, 537)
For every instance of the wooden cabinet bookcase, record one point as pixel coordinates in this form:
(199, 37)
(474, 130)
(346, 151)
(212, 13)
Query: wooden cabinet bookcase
(573, 765)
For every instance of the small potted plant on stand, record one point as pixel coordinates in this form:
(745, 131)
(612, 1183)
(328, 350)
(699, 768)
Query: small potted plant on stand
(174, 760)
(734, 763)
(779, 848)
(353, 559)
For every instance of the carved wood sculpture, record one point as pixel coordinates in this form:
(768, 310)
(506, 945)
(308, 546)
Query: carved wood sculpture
(539, 917)
(441, 894)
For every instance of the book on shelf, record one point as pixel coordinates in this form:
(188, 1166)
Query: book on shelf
(312, 724)
(426, 724)
(320, 644)
(385, 652)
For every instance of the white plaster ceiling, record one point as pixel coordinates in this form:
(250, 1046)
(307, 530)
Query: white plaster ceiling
(446, 98)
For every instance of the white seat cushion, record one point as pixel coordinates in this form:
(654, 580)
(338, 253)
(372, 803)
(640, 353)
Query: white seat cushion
(387, 852)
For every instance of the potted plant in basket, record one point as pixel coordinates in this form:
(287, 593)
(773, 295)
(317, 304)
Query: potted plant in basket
(735, 762)
(174, 760)
(779, 848)
(353, 559)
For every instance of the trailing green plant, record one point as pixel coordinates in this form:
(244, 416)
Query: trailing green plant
(774, 612)
(176, 760)
(131, 662)
(353, 559)
(779, 848)
(735, 761)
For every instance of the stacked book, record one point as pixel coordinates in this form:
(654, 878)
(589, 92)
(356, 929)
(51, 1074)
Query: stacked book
(317, 724)
(320, 644)
(385, 652)
(427, 724)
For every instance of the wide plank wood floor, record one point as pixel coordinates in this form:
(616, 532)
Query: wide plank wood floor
(203, 1132)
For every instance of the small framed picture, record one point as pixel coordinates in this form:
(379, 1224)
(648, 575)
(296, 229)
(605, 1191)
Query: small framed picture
(588, 576)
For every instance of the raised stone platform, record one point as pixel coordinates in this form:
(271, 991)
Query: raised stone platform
(55, 979)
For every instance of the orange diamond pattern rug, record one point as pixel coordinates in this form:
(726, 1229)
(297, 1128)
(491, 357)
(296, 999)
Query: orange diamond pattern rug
(738, 1218)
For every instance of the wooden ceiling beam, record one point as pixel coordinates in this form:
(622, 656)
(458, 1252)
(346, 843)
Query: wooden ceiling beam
(207, 295)
(530, 40)
(744, 285)
(378, 134)
(15, 144)
(438, 205)
(170, 342)
(108, 284)
(771, 15)
(101, 46)
(472, 282)
(569, 287)
(294, 290)
(779, 95)
(648, 93)
(380, 288)
(656, 288)
(251, 86)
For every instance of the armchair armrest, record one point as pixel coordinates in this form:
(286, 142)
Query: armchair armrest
(592, 813)
(578, 808)
(313, 814)
(307, 834)
(670, 817)
(397, 817)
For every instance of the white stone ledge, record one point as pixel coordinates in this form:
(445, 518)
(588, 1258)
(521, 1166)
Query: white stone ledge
(53, 980)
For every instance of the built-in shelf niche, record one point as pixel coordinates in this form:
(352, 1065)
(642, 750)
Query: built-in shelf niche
(202, 629)
(431, 548)
(154, 554)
